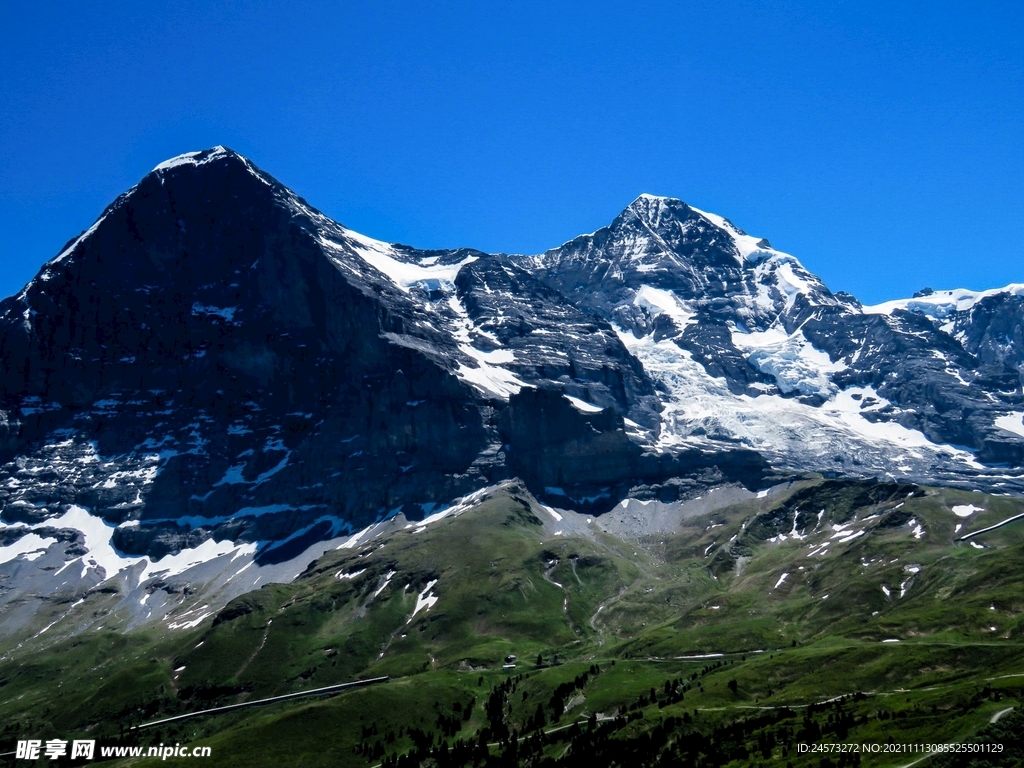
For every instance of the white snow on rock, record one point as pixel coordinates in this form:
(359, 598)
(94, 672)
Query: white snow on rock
(659, 302)
(582, 405)
(557, 517)
(794, 363)
(355, 538)
(750, 248)
(848, 406)
(698, 404)
(97, 535)
(349, 576)
(192, 158)
(30, 546)
(173, 565)
(847, 536)
(461, 505)
(1012, 422)
(382, 257)
(63, 254)
(781, 581)
(425, 600)
(941, 304)
(102, 555)
(489, 375)
(387, 580)
(180, 622)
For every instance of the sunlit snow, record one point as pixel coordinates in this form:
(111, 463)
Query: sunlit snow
(966, 510)
(1012, 422)
(941, 304)
(425, 600)
(28, 545)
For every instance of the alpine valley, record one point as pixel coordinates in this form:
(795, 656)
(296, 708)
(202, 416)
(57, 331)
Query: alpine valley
(701, 509)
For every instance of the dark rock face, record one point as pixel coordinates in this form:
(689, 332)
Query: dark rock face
(216, 359)
(199, 338)
(552, 340)
(553, 445)
(586, 461)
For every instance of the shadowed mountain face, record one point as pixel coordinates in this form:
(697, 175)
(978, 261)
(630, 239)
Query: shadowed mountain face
(196, 353)
(215, 358)
(216, 363)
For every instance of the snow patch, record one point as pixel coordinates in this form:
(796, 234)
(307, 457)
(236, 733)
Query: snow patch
(794, 363)
(1012, 422)
(349, 576)
(30, 546)
(582, 405)
(173, 565)
(750, 248)
(966, 510)
(191, 622)
(382, 257)
(489, 375)
(425, 600)
(699, 407)
(102, 556)
(659, 302)
(387, 580)
(193, 158)
(940, 305)
(550, 511)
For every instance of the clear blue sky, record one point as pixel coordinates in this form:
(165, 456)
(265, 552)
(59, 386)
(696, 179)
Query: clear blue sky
(881, 143)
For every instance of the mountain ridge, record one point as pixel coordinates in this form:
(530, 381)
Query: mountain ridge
(217, 368)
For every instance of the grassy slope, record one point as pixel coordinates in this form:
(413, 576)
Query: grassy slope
(631, 608)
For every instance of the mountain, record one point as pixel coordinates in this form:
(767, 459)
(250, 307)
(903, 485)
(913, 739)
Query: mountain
(216, 383)
(747, 345)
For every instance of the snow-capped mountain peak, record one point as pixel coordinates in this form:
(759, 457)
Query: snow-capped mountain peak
(940, 305)
(196, 158)
(216, 366)
(660, 212)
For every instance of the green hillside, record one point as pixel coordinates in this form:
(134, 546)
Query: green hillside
(830, 612)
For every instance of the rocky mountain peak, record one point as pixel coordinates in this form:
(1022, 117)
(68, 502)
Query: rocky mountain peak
(214, 365)
(658, 213)
(216, 161)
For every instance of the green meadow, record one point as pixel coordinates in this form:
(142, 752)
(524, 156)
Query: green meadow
(829, 613)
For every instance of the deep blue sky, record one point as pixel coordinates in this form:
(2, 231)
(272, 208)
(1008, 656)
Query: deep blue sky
(880, 143)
